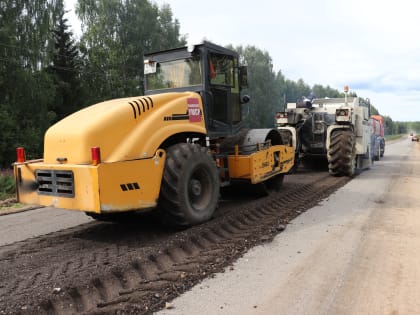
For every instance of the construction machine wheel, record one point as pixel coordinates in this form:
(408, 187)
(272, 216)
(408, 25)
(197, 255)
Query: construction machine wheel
(269, 186)
(377, 154)
(286, 137)
(190, 185)
(341, 160)
(275, 183)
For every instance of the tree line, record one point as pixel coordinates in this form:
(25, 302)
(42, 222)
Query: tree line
(46, 73)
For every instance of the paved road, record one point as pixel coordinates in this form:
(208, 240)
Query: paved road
(23, 225)
(356, 253)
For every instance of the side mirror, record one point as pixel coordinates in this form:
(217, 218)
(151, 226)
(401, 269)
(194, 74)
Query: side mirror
(243, 76)
(245, 99)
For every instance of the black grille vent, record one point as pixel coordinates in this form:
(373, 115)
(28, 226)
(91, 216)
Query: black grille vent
(141, 105)
(55, 183)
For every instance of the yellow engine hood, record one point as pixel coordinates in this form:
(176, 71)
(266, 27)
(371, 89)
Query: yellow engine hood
(124, 129)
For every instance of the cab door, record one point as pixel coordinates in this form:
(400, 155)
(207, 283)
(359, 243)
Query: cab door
(221, 73)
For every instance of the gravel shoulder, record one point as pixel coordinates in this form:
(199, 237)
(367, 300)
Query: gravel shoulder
(355, 253)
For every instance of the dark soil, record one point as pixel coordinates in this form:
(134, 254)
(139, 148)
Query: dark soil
(136, 266)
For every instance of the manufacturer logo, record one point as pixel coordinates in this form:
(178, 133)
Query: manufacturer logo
(194, 112)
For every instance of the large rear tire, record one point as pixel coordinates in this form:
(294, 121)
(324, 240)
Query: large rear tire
(377, 154)
(382, 148)
(341, 160)
(190, 185)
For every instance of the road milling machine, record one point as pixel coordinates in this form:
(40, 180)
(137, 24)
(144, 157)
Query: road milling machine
(171, 149)
(334, 131)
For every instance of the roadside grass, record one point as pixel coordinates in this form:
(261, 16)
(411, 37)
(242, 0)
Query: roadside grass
(10, 204)
(7, 185)
(8, 191)
(394, 137)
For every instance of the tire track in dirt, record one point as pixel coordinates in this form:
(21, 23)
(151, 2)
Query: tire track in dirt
(136, 267)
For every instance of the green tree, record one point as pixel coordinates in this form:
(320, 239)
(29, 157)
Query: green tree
(26, 90)
(373, 110)
(296, 90)
(280, 83)
(265, 96)
(66, 68)
(389, 125)
(320, 91)
(8, 136)
(413, 126)
(118, 33)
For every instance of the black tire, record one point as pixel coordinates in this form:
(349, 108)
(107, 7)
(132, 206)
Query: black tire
(377, 154)
(340, 153)
(382, 148)
(275, 183)
(269, 186)
(286, 137)
(190, 185)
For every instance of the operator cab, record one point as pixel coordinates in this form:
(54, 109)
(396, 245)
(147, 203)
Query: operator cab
(208, 69)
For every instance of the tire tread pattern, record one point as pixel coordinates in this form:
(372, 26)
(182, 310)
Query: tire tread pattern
(171, 207)
(340, 153)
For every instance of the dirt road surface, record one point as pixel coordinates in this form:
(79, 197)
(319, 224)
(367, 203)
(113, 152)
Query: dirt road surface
(356, 253)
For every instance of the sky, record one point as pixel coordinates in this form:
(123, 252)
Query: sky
(373, 46)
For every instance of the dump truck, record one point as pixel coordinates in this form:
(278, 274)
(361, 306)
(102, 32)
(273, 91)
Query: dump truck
(334, 131)
(171, 149)
(378, 136)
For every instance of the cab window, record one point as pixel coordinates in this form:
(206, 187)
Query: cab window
(221, 70)
(173, 74)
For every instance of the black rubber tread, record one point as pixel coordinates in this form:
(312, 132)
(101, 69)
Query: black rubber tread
(269, 186)
(377, 154)
(188, 166)
(376, 151)
(227, 145)
(286, 136)
(275, 183)
(341, 160)
(382, 148)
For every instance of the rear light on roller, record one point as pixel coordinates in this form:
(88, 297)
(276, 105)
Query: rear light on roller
(281, 118)
(281, 115)
(96, 155)
(20, 155)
